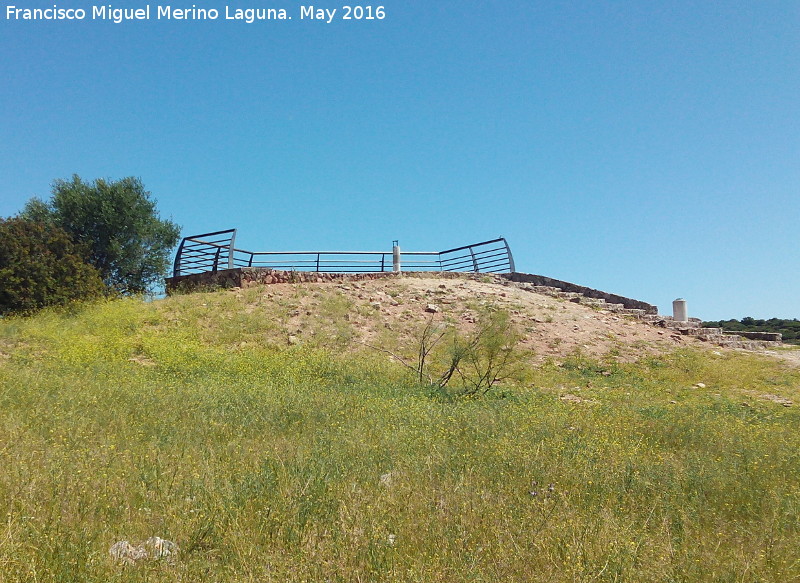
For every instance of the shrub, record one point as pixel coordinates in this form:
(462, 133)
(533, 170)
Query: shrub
(465, 365)
(40, 266)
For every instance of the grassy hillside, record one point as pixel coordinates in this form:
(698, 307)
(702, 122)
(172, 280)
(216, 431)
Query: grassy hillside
(198, 420)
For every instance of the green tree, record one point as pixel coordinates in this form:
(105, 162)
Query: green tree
(41, 266)
(118, 223)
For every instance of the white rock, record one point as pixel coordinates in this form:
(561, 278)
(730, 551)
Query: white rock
(124, 552)
(153, 548)
(159, 548)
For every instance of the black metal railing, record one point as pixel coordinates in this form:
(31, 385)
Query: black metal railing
(206, 252)
(215, 251)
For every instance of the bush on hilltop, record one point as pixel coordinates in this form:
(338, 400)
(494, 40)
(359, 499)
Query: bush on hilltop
(41, 266)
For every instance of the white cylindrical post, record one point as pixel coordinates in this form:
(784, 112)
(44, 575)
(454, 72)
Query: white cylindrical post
(396, 256)
(679, 313)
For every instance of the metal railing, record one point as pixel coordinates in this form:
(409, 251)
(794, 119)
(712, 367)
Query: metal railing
(206, 252)
(215, 251)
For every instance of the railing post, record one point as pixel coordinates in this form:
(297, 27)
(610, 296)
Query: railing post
(474, 260)
(317, 262)
(396, 267)
(511, 267)
(176, 268)
(216, 260)
(231, 250)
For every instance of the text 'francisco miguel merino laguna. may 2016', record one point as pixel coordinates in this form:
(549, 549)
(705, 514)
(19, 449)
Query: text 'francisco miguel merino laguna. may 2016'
(107, 12)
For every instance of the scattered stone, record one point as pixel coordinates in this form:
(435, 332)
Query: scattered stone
(160, 548)
(154, 548)
(142, 360)
(570, 398)
(127, 554)
(777, 399)
(293, 340)
(699, 385)
(376, 305)
(432, 309)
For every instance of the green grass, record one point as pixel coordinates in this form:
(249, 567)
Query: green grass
(299, 463)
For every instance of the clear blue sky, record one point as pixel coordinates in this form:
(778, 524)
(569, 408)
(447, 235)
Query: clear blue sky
(647, 149)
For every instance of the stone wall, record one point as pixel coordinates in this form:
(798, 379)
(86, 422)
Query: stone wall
(247, 276)
(541, 280)
(755, 335)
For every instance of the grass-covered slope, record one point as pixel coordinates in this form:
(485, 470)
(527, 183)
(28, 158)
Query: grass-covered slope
(263, 460)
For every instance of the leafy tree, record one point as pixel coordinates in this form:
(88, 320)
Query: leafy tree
(118, 222)
(41, 266)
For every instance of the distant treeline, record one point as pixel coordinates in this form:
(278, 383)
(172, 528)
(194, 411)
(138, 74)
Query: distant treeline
(789, 328)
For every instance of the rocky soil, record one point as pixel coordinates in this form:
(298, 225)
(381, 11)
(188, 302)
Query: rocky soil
(393, 311)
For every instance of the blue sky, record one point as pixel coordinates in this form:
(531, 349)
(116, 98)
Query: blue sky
(646, 149)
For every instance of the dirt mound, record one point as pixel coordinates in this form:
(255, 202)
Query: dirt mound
(393, 310)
